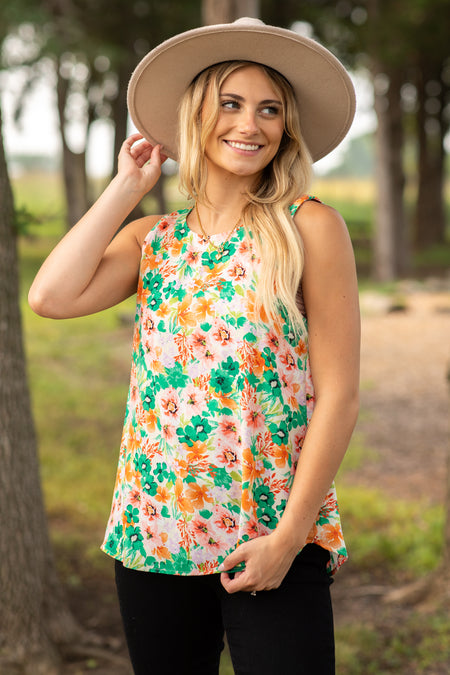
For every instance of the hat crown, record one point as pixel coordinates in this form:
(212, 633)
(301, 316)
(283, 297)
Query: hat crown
(249, 21)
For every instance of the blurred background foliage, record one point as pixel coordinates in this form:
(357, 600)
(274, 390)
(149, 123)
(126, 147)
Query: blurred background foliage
(391, 185)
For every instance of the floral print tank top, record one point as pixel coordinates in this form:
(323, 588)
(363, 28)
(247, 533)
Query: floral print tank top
(217, 410)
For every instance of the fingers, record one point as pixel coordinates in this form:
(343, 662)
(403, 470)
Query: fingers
(231, 584)
(142, 150)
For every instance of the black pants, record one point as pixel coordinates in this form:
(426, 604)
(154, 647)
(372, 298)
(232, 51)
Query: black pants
(175, 625)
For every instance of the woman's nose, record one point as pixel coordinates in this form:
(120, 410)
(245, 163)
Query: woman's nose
(248, 122)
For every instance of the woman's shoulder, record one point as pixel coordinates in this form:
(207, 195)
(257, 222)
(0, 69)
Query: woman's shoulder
(295, 206)
(321, 227)
(309, 210)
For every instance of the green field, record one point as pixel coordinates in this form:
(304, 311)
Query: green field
(78, 372)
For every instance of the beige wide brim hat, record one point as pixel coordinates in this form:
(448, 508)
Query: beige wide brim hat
(323, 89)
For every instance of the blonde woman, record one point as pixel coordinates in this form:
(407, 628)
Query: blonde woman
(244, 380)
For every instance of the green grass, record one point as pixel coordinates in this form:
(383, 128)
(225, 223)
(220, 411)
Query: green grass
(420, 645)
(403, 538)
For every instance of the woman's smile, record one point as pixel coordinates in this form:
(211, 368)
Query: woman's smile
(243, 147)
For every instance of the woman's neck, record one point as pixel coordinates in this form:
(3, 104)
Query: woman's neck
(226, 200)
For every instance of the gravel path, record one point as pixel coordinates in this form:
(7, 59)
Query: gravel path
(405, 393)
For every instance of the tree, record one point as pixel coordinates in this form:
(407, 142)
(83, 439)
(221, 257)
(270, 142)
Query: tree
(403, 45)
(226, 11)
(34, 616)
(94, 46)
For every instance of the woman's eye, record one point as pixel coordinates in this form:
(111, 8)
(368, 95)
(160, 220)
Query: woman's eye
(270, 110)
(230, 105)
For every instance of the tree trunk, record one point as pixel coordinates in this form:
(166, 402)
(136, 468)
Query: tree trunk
(391, 244)
(226, 11)
(429, 219)
(74, 164)
(33, 612)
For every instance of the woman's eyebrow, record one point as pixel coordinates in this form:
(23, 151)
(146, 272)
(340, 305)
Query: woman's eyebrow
(241, 98)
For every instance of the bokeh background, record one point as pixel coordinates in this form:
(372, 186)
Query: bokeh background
(65, 66)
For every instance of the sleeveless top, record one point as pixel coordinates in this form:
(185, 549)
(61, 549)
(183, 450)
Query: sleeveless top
(217, 410)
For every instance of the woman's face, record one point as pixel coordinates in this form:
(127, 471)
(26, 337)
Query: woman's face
(250, 125)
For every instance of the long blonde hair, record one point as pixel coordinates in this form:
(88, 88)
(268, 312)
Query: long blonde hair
(266, 216)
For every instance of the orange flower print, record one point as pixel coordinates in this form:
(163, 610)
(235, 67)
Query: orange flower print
(130, 472)
(280, 454)
(181, 468)
(163, 310)
(184, 504)
(252, 358)
(247, 501)
(203, 307)
(225, 401)
(186, 318)
(150, 261)
(255, 311)
(197, 453)
(251, 468)
(162, 494)
(332, 534)
(300, 348)
(199, 495)
(176, 248)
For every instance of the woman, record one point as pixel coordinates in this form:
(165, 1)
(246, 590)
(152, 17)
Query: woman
(243, 392)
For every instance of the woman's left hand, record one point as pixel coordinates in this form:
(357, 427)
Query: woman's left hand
(266, 565)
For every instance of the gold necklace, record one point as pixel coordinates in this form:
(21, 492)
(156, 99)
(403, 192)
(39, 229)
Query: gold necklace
(220, 248)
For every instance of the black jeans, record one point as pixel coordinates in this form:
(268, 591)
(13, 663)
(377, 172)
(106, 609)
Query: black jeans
(175, 625)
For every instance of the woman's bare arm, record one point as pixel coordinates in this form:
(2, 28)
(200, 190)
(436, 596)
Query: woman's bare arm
(90, 269)
(331, 300)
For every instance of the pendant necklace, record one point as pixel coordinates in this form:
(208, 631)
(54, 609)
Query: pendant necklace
(207, 237)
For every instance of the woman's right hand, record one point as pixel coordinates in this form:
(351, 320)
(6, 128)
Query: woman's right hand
(91, 268)
(140, 162)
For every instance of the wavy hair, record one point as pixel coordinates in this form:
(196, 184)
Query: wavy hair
(266, 217)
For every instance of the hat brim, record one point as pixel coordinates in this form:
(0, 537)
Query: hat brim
(323, 89)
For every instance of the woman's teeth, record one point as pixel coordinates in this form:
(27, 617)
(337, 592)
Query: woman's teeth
(243, 146)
